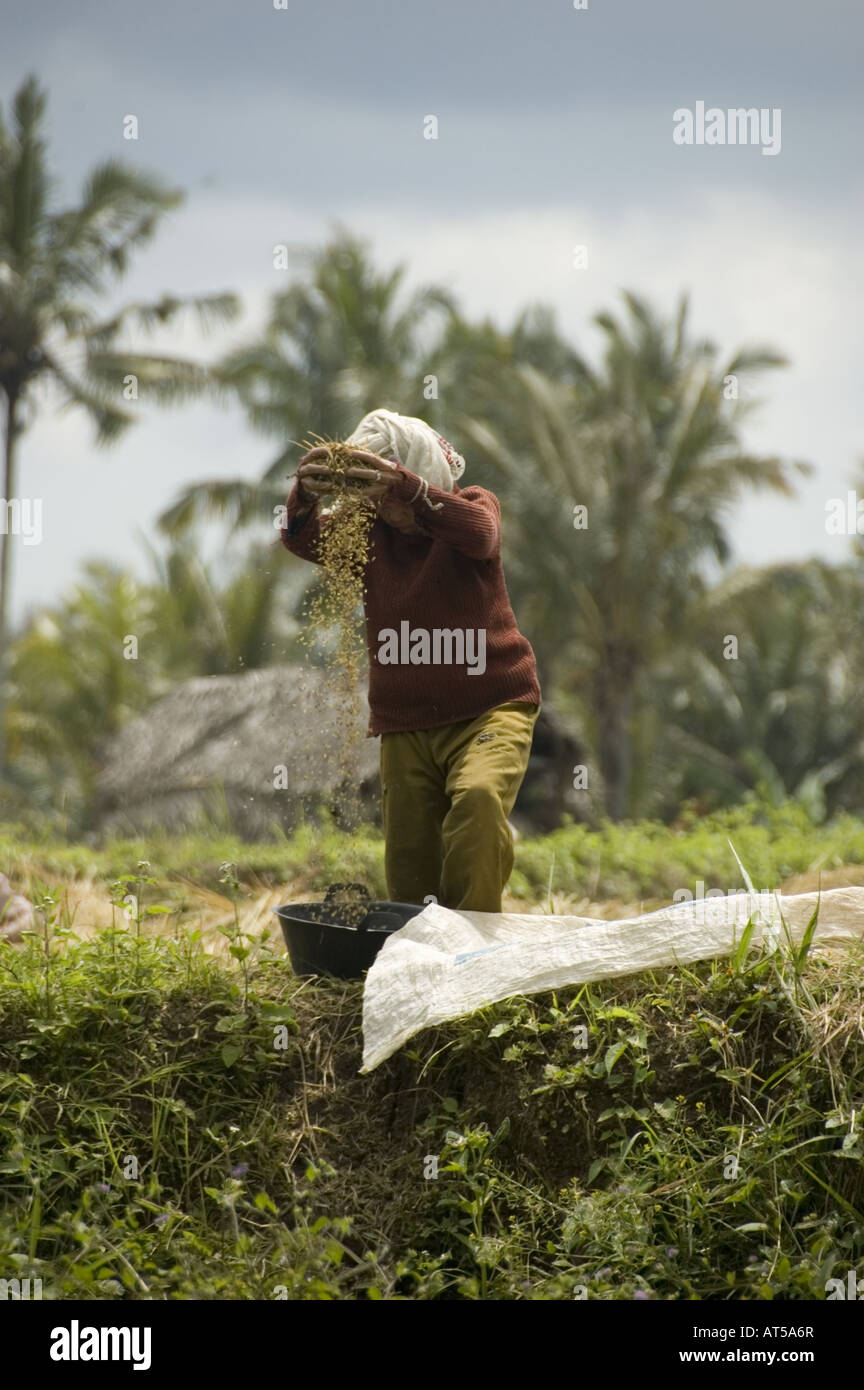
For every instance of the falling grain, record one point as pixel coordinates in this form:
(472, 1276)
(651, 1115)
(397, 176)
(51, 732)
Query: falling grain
(333, 613)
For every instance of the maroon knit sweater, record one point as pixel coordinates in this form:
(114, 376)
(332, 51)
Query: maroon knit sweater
(448, 577)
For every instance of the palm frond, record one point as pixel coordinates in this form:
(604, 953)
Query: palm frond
(210, 311)
(110, 420)
(165, 380)
(234, 500)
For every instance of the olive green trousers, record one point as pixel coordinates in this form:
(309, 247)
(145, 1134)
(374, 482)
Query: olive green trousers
(446, 794)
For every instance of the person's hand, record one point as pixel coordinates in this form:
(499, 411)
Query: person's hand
(400, 515)
(313, 481)
(368, 474)
(374, 470)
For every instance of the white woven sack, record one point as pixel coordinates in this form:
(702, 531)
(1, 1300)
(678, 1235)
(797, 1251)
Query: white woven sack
(444, 964)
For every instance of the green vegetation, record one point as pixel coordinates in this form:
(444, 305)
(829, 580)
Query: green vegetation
(183, 1119)
(56, 265)
(651, 860)
(642, 859)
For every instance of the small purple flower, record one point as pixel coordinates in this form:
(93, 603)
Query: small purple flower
(162, 1218)
(641, 1295)
(103, 1187)
(239, 1170)
(671, 1250)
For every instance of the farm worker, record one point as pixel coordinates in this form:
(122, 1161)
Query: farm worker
(453, 687)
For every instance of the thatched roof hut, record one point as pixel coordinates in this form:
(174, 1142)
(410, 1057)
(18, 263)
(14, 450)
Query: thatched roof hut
(263, 748)
(242, 751)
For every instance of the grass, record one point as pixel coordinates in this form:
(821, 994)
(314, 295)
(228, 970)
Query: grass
(179, 1122)
(645, 860)
(650, 860)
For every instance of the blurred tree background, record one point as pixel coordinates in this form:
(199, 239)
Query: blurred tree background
(617, 485)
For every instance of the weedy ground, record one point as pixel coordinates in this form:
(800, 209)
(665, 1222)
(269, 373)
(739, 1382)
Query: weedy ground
(179, 1121)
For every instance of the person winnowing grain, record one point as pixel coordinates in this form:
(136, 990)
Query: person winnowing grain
(455, 734)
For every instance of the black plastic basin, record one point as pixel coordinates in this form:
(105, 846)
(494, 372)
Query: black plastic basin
(320, 943)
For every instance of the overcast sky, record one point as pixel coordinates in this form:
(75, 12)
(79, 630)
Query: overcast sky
(554, 130)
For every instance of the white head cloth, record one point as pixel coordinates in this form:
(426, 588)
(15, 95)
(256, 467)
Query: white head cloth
(414, 443)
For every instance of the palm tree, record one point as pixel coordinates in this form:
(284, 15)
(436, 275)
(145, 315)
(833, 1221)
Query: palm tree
(341, 340)
(650, 446)
(210, 629)
(71, 684)
(785, 717)
(54, 266)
